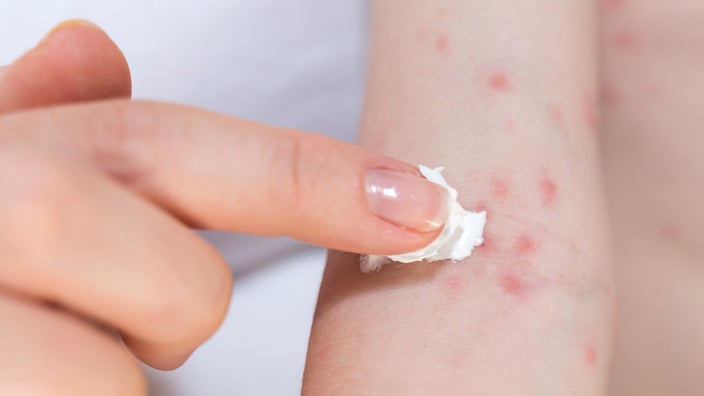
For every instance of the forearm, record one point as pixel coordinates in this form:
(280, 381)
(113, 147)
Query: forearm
(501, 93)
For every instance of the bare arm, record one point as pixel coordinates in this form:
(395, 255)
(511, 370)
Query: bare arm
(502, 94)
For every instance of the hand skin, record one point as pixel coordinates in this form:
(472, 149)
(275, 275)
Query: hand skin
(502, 94)
(96, 198)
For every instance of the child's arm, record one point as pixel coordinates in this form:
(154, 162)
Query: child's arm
(502, 94)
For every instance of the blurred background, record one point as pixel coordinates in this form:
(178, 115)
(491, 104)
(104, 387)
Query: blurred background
(297, 64)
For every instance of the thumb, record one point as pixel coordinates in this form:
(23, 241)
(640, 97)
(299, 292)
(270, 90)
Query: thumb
(75, 62)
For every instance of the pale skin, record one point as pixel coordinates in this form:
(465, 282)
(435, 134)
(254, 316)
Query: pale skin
(652, 126)
(531, 312)
(511, 114)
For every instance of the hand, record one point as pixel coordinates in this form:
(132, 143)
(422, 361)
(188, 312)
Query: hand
(96, 199)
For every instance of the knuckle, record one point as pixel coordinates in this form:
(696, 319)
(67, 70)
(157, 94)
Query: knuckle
(186, 316)
(37, 194)
(288, 181)
(120, 143)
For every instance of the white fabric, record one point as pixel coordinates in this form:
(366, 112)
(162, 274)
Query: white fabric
(297, 64)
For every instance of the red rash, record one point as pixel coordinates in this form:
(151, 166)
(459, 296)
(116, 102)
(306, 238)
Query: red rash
(608, 94)
(499, 188)
(512, 284)
(625, 40)
(442, 45)
(591, 115)
(499, 82)
(525, 245)
(590, 355)
(549, 190)
(670, 233)
(488, 245)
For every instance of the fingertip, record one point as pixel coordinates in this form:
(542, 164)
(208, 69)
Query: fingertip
(69, 23)
(76, 61)
(159, 357)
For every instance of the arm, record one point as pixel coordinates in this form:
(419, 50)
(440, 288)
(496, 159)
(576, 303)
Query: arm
(502, 94)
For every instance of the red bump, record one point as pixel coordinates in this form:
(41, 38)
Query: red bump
(422, 35)
(591, 115)
(608, 94)
(549, 190)
(480, 206)
(488, 245)
(590, 355)
(525, 245)
(670, 232)
(442, 45)
(625, 39)
(499, 81)
(512, 284)
(499, 188)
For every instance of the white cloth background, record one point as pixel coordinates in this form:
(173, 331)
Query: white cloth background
(297, 64)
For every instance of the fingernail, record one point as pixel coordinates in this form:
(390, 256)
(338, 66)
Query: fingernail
(70, 22)
(405, 200)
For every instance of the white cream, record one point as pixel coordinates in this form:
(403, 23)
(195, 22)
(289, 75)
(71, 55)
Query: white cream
(463, 231)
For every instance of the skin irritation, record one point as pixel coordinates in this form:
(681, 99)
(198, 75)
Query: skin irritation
(499, 82)
(512, 284)
(525, 245)
(500, 188)
(670, 233)
(608, 95)
(549, 191)
(590, 355)
(591, 114)
(442, 45)
(625, 39)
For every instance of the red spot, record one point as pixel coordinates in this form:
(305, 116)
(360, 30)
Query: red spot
(442, 12)
(442, 45)
(499, 81)
(590, 354)
(591, 115)
(422, 35)
(670, 232)
(556, 114)
(525, 245)
(489, 244)
(499, 188)
(452, 287)
(549, 190)
(608, 95)
(480, 206)
(513, 285)
(625, 39)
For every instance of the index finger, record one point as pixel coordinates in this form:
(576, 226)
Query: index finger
(218, 172)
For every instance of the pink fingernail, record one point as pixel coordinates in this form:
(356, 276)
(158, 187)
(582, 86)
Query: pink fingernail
(407, 201)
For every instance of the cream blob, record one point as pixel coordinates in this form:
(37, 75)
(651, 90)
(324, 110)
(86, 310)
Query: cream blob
(462, 232)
